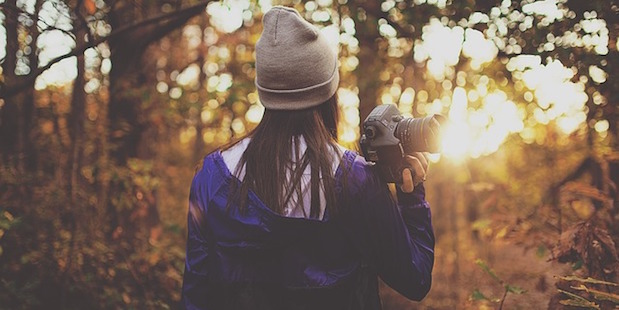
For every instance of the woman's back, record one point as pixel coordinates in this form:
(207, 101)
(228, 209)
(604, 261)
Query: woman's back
(268, 258)
(260, 257)
(286, 218)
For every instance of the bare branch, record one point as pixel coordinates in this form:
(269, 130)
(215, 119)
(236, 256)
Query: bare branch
(35, 16)
(5, 5)
(53, 27)
(384, 15)
(29, 80)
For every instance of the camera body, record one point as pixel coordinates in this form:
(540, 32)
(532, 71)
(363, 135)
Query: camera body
(388, 136)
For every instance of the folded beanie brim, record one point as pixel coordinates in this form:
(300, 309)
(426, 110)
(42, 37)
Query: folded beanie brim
(300, 98)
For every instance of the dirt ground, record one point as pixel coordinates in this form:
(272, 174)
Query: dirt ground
(511, 263)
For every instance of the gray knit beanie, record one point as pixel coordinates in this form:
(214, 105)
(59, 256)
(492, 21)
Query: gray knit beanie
(295, 66)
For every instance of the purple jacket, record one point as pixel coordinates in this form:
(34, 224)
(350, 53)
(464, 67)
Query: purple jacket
(262, 260)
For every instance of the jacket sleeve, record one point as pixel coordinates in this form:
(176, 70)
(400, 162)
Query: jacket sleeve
(400, 238)
(196, 275)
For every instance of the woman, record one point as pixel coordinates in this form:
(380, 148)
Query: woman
(288, 219)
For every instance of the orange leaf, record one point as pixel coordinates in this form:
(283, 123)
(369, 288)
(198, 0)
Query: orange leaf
(90, 6)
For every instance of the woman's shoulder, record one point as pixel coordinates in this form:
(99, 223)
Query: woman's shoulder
(209, 175)
(359, 171)
(207, 163)
(210, 167)
(353, 159)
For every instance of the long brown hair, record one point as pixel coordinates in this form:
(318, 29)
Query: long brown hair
(269, 158)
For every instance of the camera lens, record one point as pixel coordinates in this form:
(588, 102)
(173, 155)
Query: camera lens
(420, 134)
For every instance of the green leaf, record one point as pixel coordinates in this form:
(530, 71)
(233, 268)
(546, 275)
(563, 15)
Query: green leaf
(6, 220)
(478, 295)
(487, 269)
(541, 251)
(481, 224)
(577, 265)
(175, 228)
(515, 289)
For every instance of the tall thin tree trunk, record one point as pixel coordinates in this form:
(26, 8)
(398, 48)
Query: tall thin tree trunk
(74, 164)
(370, 64)
(28, 147)
(367, 74)
(76, 120)
(9, 113)
(198, 150)
(103, 161)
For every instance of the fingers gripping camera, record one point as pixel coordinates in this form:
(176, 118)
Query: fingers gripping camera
(388, 137)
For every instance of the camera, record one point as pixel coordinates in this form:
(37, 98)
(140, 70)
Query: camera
(388, 136)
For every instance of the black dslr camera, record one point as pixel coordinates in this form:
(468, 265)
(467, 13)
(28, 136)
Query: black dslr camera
(388, 137)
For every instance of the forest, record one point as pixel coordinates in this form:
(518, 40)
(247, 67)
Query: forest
(107, 107)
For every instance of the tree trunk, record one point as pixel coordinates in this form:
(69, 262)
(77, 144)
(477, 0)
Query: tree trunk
(74, 164)
(76, 119)
(27, 135)
(198, 150)
(9, 118)
(132, 71)
(370, 64)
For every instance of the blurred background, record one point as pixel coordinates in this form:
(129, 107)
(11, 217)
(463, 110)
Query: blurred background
(107, 106)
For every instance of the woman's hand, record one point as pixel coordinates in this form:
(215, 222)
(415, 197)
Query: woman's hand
(419, 166)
